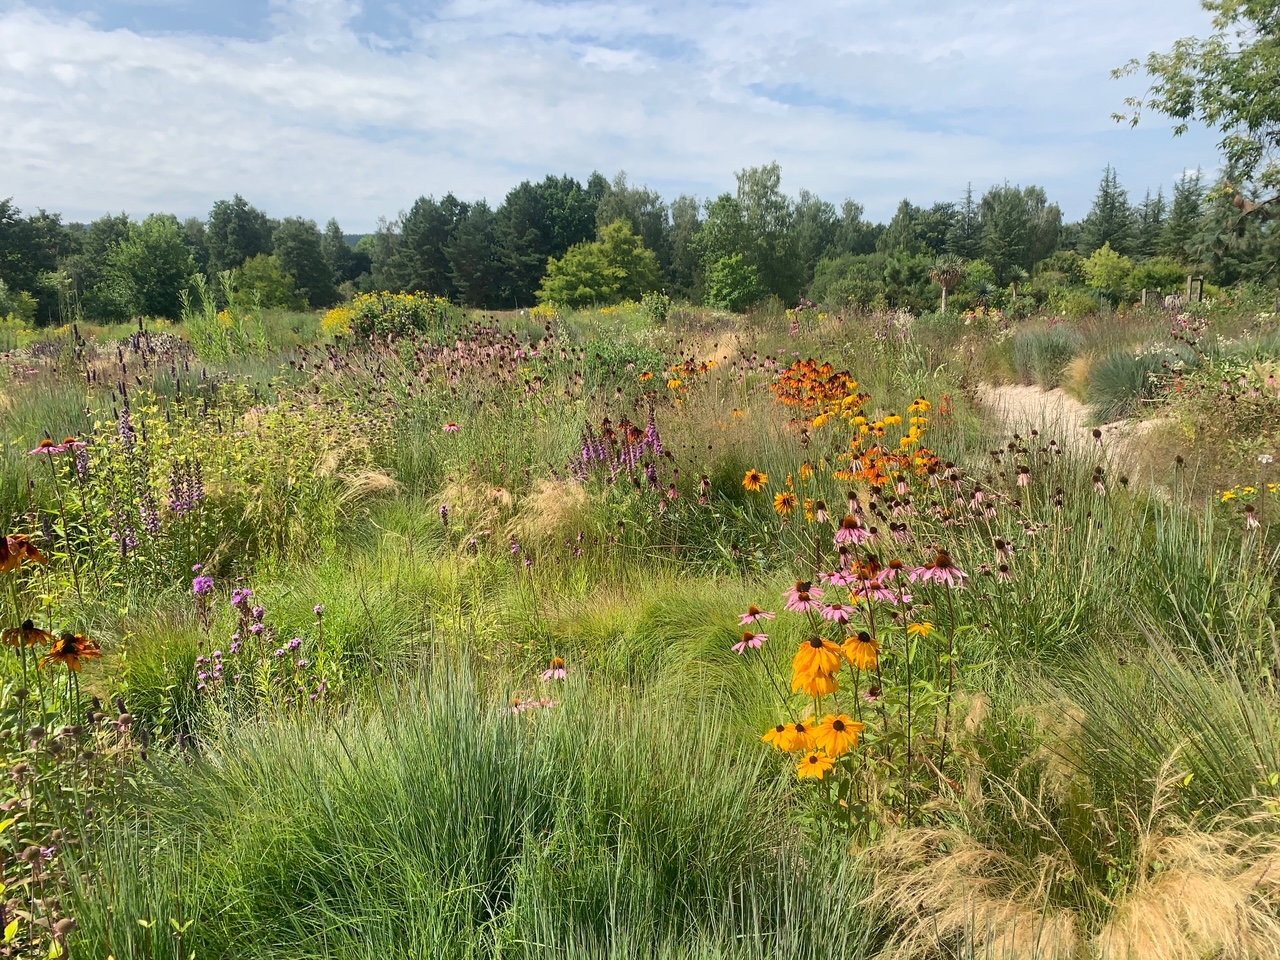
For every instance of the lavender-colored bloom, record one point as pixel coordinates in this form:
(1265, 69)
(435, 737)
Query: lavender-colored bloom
(257, 629)
(295, 643)
(319, 610)
(202, 585)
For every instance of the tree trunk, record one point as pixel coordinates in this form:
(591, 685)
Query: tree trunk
(944, 297)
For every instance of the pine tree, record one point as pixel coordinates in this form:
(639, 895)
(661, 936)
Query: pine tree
(964, 240)
(1151, 219)
(1184, 218)
(1110, 220)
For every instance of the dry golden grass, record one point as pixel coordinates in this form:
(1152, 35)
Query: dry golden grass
(553, 510)
(1194, 891)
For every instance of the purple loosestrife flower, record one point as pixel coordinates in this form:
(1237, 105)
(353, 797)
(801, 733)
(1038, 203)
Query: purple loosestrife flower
(202, 585)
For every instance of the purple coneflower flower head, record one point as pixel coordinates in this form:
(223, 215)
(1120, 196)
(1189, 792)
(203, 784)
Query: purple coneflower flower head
(556, 671)
(851, 530)
(451, 427)
(941, 569)
(755, 615)
(803, 597)
(837, 612)
(753, 640)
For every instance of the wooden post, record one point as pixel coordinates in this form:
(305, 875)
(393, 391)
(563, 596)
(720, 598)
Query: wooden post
(1144, 296)
(1188, 288)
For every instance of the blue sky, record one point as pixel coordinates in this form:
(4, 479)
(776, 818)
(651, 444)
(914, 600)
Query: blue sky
(353, 108)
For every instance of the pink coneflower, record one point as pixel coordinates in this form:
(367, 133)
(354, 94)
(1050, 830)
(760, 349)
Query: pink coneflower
(941, 570)
(837, 612)
(1251, 521)
(451, 427)
(556, 671)
(803, 597)
(753, 640)
(876, 590)
(755, 615)
(851, 530)
(1024, 476)
(49, 447)
(840, 578)
(1003, 573)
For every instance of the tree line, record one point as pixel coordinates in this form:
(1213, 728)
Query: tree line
(605, 240)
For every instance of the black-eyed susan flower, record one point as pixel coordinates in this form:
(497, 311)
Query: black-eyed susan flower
(785, 503)
(863, 650)
(837, 735)
(70, 649)
(755, 480)
(816, 655)
(815, 764)
(815, 685)
(27, 635)
(922, 628)
(17, 548)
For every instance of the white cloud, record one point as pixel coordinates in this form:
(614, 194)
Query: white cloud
(862, 98)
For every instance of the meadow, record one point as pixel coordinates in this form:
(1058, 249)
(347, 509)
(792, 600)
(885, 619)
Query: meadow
(410, 631)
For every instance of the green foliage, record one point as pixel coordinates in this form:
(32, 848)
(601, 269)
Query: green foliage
(1107, 271)
(298, 248)
(1228, 82)
(262, 278)
(1110, 221)
(220, 335)
(151, 268)
(17, 305)
(1122, 380)
(236, 232)
(1159, 275)
(616, 267)
(657, 305)
(733, 284)
(392, 315)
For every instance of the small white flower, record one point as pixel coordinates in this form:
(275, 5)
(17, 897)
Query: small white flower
(1265, 459)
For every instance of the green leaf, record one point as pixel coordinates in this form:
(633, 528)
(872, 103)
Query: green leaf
(11, 930)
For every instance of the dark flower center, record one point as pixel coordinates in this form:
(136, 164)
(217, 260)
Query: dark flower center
(838, 726)
(816, 643)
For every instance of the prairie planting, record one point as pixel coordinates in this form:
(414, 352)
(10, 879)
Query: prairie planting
(430, 632)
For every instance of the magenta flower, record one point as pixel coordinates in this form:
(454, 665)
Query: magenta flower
(753, 640)
(451, 427)
(840, 578)
(851, 530)
(803, 597)
(941, 570)
(556, 671)
(837, 612)
(755, 615)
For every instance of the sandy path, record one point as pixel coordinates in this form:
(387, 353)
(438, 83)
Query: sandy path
(1058, 415)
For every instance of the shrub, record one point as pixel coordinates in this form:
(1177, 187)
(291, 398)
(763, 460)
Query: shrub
(1072, 303)
(1041, 353)
(400, 315)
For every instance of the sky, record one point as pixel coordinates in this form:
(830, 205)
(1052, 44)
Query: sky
(354, 108)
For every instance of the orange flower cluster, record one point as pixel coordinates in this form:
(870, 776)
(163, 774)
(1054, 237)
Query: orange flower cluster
(818, 388)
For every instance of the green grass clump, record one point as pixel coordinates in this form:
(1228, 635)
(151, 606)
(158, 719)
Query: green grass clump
(1041, 353)
(435, 822)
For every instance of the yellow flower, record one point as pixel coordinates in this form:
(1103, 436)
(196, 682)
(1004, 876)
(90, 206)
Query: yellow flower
(806, 472)
(922, 629)
(785, 503)
(863, 651)
(814, 764)
(837, 735)
(1228, 495)
(815, 685)
(675, 383)
(755, 480)
(790, 737)
(816, 655)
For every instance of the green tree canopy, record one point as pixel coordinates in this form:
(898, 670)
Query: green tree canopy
(616, 267)
(236, 231)
(152, 267)
(298, 248)
(1229, 81)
